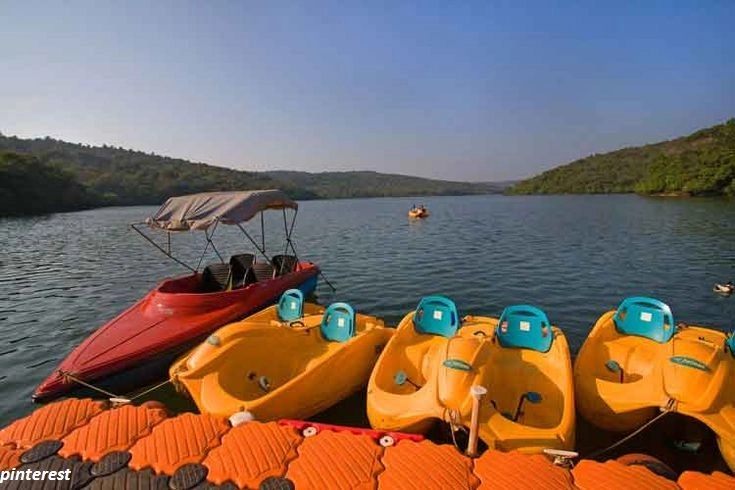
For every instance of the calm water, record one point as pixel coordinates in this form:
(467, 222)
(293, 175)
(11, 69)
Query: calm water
(574, 256)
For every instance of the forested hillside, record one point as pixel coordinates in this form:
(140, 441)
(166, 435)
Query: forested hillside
(115, 176)
(700, 164)
(28, 186)
(374, 184)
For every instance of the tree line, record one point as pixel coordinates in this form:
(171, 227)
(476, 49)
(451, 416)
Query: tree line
(48, 175)
(701, 164)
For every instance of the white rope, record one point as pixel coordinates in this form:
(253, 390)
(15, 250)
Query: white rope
(72, 377)
(664, 411)
(154, 388)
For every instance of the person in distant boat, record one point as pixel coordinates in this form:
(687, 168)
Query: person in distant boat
(730, 286)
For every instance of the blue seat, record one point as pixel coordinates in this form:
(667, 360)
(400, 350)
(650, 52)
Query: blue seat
(338, 322)
(436, 315)
(291, 305)
(645, 317)
(524, 327)
(730, 344)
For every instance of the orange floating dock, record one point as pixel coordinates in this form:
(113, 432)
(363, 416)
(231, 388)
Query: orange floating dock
(143, 447)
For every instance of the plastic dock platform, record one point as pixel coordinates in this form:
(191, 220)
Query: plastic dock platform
(143, 447)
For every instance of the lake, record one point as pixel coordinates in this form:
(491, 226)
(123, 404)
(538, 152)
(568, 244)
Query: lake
(62, 276)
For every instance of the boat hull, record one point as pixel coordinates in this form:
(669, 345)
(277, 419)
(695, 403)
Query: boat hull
(137, 347)
(419, 214)
(692, 374)
(420, 379)
(279, 370)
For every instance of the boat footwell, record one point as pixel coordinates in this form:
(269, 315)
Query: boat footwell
(145, 447)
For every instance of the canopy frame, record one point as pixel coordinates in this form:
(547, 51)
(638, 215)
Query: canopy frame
(209, 235)
(197, 212)
(237, 210)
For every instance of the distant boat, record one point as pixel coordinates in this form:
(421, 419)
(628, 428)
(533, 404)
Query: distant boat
(138, 346)
(724, 289)
(418, 212)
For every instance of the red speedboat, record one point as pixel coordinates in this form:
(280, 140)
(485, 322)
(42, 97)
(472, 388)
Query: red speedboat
(137, 347)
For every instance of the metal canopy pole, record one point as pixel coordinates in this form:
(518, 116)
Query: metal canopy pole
(290, 231)
(210, 242)
(255, 244)
(262, 231)
(293, 248)
(167, 254)
(285, 229)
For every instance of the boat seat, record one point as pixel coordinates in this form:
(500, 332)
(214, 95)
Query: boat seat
(284, 264)
(338, 322)
(524, 327)
(263, 271)
(242, 270)
(730, 344)
(291, 305)
(436, 315)
(645, 317)
(216, 277)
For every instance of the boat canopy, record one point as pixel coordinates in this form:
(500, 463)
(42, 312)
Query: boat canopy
(200, 211)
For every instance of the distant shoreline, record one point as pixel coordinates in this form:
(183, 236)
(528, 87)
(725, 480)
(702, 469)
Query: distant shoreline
(672, 194)
(666, 195)
(341, 198)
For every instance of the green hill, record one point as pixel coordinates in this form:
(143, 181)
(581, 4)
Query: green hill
(126, 177)
(374, 184)
(701, 164)
(115, 176)
(28, 186)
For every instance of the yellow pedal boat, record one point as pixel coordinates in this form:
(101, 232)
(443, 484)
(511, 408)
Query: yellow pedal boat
(636, 363)
(292, 360)
(418, 213)
(430, 366)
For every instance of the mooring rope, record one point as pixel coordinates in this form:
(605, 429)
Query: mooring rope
(453, 421)
(68, 375)
(664, 411)
(153, 388)
(321, 272)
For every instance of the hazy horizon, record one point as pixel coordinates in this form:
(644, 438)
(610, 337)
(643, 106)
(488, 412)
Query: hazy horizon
(466, 92)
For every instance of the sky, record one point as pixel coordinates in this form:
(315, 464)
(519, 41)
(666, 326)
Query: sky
(472, 91)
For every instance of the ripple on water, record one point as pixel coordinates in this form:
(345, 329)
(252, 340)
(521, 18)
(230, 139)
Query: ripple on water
(19, 339)
(40, 363)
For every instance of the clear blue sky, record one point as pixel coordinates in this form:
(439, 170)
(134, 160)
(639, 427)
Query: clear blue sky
(486, 90)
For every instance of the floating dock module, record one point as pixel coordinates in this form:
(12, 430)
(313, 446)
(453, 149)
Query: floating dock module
(145, 448)
(520, 472)
(112, 430)
(52, 421)
(591, 475)
(252, 452)
(178, 441)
